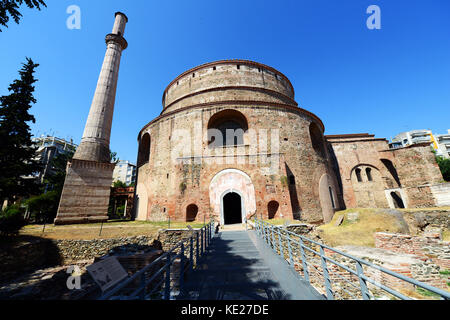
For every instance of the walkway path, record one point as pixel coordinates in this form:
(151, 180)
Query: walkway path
(239, 266)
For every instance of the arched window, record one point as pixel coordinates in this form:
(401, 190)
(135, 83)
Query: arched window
(398, 202)
(292, 180)
(272, 209)
(317, 140)
(332, 197)
(390, 166)
(144, 150)
(358, 174)
(227, 128)
(191, 212)
(369, 174)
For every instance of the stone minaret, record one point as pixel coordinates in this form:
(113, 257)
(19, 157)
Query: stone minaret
(94, 145)
(86, 191)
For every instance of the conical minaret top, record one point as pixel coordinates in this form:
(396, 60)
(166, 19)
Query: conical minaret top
(94, 144)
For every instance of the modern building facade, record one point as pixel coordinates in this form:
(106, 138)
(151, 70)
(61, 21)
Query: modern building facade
(412, 137)
(125, 172)
(439, 142)
(48, 147)
(442, 142)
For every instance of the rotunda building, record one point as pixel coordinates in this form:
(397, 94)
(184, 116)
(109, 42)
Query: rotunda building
(231, 143)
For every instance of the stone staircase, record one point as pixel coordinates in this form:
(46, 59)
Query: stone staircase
(239, 266)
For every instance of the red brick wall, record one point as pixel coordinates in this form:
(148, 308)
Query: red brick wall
(433, 252)
(416, 169)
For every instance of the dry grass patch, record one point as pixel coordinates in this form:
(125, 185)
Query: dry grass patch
(420, 294)
(108, 230)
(361, 231)
(446, 235)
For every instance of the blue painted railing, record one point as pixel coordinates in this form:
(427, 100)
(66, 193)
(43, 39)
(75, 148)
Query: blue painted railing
(153, 282)
(350, 283)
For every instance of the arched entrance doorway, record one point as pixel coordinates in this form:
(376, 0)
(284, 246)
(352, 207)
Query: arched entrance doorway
(191, 213)
(232, 208)
(272, 209)
(231, 181)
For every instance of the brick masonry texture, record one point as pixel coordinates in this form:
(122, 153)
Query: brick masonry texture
(433, 255)
(85, 196)
(305, 175)
(265, 99)
(422, 258)
(411, 173)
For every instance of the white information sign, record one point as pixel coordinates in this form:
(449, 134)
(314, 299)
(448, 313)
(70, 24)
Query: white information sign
(107, 273)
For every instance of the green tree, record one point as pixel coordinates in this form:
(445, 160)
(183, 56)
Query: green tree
(113, 157)
(11, 220)
(11, 8)
(17, 151)
(119, 184)
(58, 164)
(43, 208)
(444, 165)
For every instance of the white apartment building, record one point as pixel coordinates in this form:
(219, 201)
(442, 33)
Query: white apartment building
(48, 147)
(443, 144)
(125, 171)
(408, 138)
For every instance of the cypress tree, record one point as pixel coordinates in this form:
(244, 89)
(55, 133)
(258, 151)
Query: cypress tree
(17, 151)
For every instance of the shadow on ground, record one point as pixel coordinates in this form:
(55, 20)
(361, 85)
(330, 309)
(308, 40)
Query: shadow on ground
(24, 254)
(232, 270)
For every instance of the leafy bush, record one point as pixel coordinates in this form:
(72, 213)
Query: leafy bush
(45, 206)
(120, 184)
(444, 165)
(11, 220)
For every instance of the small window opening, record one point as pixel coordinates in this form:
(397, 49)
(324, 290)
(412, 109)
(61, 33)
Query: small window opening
(331, 197)
(358, 175)
(291, 180)
(369, 174)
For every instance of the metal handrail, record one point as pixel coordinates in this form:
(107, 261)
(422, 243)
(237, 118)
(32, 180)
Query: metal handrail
(201, 244)
(267, 232)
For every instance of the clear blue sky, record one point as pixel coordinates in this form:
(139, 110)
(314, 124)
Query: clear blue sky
(355, 79)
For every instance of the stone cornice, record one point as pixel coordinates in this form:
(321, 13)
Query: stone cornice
(351, 135)
(117, 39)
(236, 102)
(79, 163)
(237, 61)
(291, 101)
(358, 140)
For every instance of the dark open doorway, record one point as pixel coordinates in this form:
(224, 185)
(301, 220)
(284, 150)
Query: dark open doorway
(232, 209)
(272, 208)
(398, 202)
